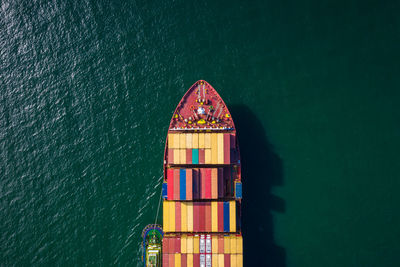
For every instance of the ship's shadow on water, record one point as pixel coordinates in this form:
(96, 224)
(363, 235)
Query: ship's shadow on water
(262, 169)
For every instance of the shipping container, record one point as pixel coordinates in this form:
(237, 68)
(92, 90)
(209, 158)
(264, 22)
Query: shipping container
(227, 149)
(182, 156)
(189, 184)
(182, 141)
(207, 140)
(184, 217)
(170, 184)
(178, 216)
(195, 142)
(176, 184)
(207, 156)
(195, 156)
(189, 140)
(188, 156)
(214, 148)
(170, 156)
(214, 183)
(220, 148)
(201, 140)
(176, 141)
(201, 156)
(200, 216)
(207, 172)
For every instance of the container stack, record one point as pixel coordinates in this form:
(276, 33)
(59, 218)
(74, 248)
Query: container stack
(201, 200)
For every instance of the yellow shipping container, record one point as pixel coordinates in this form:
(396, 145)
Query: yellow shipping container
(220, 140)
(239, 245)
(214, 217)
(182, 156)
(189, 244)
(196, 244)
(189, 140)
(165, 216)
(184, 219)
(189, 260)
(189, 207)
(171, 137)
(195, 142)
(184, 244)
(221, 260)
(182, 141)
(201, 140)
(233, 244)
(207, 156)
(233, 260)
(207, 140)
(178, 260)
(227, 245)
(232, 216)
(214, 244)
(214, 260)
(171, 215)
(214, 148)
(239, 260)
(176, 156)
(176, 140)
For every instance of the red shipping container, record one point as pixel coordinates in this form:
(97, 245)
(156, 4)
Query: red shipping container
(165, 245)
(196, 214)
(184, 261)
(227, 148)
(203, 183)
(220, 216)
(171, 244)
(171, 261)
(202, 156)
(220, 245)
(177, 216)
(208, 216)
(189, 186)
(165, 260)
(196, 260)
(227, 260)
(177, 244)
(170, 184)
(176, 184)
(188, 156)
(170, 156)
(208, 183)
(202, 217)
(214, 183)
(220, 183)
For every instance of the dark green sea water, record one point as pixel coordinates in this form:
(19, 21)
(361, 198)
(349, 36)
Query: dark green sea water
(88, 88)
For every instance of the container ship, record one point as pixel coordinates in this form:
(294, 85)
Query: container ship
(202, 189)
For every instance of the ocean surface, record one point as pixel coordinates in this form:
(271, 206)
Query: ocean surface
(88, 89)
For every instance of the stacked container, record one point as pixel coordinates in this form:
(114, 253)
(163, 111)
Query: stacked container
(201, 214)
